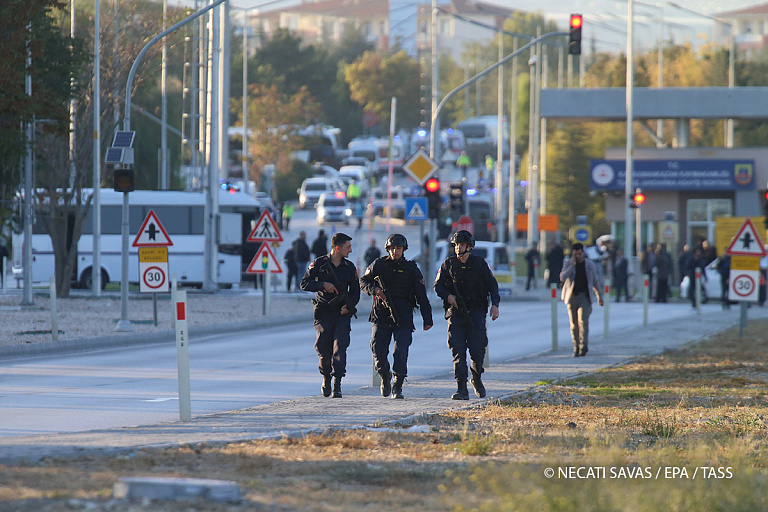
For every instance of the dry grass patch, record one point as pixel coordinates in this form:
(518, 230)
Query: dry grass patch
(703, 406)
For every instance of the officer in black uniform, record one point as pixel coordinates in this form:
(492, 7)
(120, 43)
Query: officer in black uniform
(335, 280)
(403, 289)
(465, 283)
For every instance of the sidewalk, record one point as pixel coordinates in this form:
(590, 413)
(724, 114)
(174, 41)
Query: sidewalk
(364, 406)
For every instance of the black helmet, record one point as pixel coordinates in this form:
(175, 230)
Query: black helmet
(396, 240)
(463, 237)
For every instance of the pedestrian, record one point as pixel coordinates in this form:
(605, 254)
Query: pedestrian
(662, 263)
(555, 257)
(621, 275)
(397, 286)
(532, 257)
(359, 214)
(371, 253)
(293, 269)
(708, 251)
(320, 244)
(683, 260)
(466, 285)
(301, 252)
(353, 192)
(646, 266)
(334, 280)
(287, 214)
(579, 276)
(463, 163)
(696, 261)
(4, 254)
(724, 269)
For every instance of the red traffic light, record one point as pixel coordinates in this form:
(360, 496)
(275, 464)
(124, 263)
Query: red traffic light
(432, 185)
(576, 21)
(639, 198)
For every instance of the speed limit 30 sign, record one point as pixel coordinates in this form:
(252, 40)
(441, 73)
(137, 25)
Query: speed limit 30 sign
(153, 269)
(744, 278)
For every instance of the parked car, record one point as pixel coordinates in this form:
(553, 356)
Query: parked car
(379, 201)
(312, 188)
(332, 208)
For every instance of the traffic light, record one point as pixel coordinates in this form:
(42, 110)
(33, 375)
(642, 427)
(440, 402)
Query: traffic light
(638, 199)
(124, 180)
(432, 192)
(574, 36)
(457, 196)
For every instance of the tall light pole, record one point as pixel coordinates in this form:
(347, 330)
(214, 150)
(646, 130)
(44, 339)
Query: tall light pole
(731, 63)
(96, 201)
(628, 186)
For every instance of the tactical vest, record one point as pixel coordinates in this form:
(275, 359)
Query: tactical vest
(469, 280)
(398, 278)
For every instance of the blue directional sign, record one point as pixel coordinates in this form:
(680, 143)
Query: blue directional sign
(582, 235)
(416, 208)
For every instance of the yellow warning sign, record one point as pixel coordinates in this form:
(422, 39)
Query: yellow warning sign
(745, 262)
(153, 255)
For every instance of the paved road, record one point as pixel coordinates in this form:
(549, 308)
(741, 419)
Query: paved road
(137, 385)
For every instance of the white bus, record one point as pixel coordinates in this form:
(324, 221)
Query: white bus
(180, 213)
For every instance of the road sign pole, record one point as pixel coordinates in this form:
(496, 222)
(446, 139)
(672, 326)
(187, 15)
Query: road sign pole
(697, 290)
(267, 294)
(606, 302)
(743, 318)
(154, 308)
(646, 290)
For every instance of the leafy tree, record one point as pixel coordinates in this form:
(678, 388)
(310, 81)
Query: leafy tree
(273, 118)
(374, 80)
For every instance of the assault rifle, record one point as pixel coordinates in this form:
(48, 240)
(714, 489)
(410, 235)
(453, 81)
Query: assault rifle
(461, 305)
(388, 302)
(340, 300)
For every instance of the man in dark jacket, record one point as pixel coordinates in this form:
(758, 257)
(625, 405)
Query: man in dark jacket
(466, 283)
(532, 257)
(396, 286)
(293, 269)
(555, 258)
(620, 275)
(371, 253)
(301, 252)
(336, 284)
(320, 244)
(662, 262)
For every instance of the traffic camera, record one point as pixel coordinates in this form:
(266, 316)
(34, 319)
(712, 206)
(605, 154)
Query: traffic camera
(574, 36)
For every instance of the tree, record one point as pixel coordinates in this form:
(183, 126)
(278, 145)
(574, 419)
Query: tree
(273, 118)
(374, 80)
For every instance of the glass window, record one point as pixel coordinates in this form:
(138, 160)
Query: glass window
(697, 210)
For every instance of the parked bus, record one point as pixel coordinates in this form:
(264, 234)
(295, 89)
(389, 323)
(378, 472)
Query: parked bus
(180, 213)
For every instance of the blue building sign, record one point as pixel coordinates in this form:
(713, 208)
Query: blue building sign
(674, 174)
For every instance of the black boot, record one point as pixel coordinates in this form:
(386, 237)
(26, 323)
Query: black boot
(326, 389)
(397, 388)
(336, 387)
(386, 383)
(461, 393)
(477, 385)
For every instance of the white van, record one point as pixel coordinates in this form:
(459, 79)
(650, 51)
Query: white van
(312, 188)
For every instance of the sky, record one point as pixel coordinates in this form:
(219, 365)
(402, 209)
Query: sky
(604, 20)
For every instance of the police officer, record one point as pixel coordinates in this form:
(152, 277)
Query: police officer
(403, 288)
(334, 279)
(465, 283)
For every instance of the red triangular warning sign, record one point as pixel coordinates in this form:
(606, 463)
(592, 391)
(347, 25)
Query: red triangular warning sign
(746, 242)
(152, 233)
(263, 261)
(265, 230)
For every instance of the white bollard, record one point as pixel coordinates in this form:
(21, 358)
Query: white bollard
(182, 355)
(174, 287)
(54, 316)
(645, 300)
(606, 303)
(553, 302)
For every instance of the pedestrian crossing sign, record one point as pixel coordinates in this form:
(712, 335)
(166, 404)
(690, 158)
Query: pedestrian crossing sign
(416, 208)
(265, 230)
